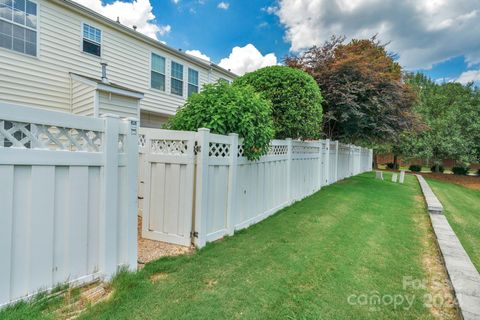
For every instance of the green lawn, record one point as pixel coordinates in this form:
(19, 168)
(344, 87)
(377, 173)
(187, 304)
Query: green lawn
(462, 208)
(357, 237)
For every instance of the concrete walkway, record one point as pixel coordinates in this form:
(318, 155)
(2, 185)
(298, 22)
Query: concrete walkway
(463, 274)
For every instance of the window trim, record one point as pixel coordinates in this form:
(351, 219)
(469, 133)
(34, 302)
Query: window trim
(172, 77)
(193, 84)
(82, 38)
(151, 70)
(37, 34)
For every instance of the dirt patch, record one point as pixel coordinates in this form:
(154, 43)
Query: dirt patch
(76, 300)
(154, 278)
(440, 299)
(150, 250)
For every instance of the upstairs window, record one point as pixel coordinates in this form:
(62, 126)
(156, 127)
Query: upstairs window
(192, 81)
(92, 40)
(177, 79)
(18, 26)
(157, 77)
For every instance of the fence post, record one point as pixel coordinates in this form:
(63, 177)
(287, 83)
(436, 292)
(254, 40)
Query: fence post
(289, 169)
(320, 164)
(232, 183)
(108, 218)
(131, 149)
(201, 190)
(336, 160)
(327, 162)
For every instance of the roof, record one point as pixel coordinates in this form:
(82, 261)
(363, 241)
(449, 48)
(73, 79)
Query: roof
(140, 36)
(109, 87)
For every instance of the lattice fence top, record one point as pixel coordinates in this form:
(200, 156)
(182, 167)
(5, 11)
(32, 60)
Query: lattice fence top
(47, 137)
(169, 147)
(219, 150)
(277, 150)
(142, 141)
(306, 149)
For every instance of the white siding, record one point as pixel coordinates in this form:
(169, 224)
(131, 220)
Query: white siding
(117, 104)
(44, 81)
(82, 99)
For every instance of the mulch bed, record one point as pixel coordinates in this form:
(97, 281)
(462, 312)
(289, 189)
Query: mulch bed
(472, 182)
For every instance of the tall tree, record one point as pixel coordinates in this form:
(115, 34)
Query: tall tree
(365, 98)
(451, 114)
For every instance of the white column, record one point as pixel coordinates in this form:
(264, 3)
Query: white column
(201, 190)
(131, 149)
(232, 183)
(289, 169)
(320, 164)
(108, 217)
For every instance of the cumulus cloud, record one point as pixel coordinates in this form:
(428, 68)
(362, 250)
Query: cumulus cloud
(137, 13)
(245, 59)
(422, 32)
(469, 76)
(223, 5)
(198, 54)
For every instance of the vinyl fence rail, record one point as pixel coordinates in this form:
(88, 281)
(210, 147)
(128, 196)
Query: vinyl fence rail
(199, 186)
(67, 199)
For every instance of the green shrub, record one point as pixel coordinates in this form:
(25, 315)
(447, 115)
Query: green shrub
(295, 97)
(460, 170)
(415, 168)
(434, 168)
(228, 109)
(392, 166)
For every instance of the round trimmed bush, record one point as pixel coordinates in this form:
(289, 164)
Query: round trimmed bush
(296, 100)
(225, 109)
(463, 171)
(441, 169)
(415, 168)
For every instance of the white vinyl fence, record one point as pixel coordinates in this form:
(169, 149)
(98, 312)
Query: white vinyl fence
(199, 185)
(67, 199)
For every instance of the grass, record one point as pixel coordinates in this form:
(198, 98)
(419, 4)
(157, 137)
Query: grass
(358, 237)
(462, 208)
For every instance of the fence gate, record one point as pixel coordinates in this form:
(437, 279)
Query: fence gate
(169, 182)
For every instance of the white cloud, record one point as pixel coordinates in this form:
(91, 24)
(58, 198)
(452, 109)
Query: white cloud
(223, 5)
(245, 59)
(270, 9)
(176, 1)
(422, 32)
(198, 54)
(469, 76)
(137, 13)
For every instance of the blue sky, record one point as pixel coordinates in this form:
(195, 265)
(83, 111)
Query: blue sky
(438, 37)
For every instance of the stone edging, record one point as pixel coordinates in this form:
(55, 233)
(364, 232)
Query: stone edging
(463, 275)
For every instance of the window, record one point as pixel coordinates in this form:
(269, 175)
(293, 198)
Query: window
(157, 77)
(18, 26)
(192, 81)
(92, 40)
(177, 79)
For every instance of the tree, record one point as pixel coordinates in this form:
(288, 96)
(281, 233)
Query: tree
(451, 116)
(295, 97)
(225, 109)
(366, 100)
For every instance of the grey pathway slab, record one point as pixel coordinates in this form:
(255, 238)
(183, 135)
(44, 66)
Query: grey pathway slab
(463, 275)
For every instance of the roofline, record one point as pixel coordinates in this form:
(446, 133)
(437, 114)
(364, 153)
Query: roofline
(140, 36)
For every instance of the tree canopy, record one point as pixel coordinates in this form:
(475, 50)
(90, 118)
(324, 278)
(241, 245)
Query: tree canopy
(366, 100)
(450, 113)
(296, 100)
(225, 109)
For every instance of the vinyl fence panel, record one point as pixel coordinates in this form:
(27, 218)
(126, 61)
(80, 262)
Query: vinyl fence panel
(67, 199)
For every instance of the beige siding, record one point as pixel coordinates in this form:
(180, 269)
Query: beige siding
(44, 80)
(117, 104)
(82, 99)
(152, 120)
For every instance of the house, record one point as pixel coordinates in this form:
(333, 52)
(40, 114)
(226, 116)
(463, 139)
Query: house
(62, 56)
